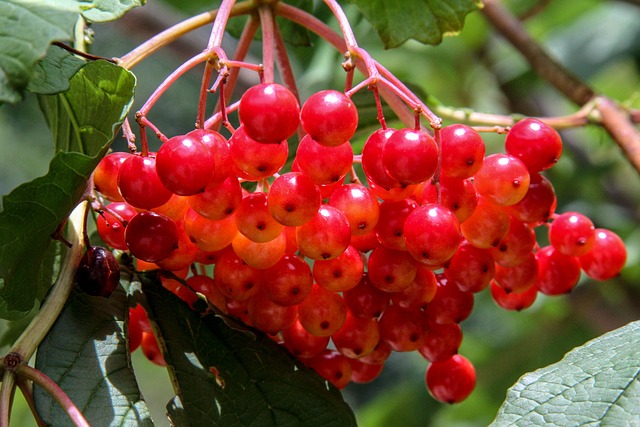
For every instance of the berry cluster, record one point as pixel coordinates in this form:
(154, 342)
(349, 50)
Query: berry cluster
(344, 270)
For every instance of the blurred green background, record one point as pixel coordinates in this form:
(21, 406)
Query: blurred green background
(596, 39)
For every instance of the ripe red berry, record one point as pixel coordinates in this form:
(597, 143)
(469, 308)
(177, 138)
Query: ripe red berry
(462, 151)
(184, 165)
(516, 301)
(410, 156)
(322, 313)
(255, 159)
(325, 165)
(451, 380)
(269, 112)
(293, 199)
(572, 233)
(536, 144)
(538, 203)
(606, 258)
(557, 273)
(432, 234)
(151, 236)
(105, 176)
(372, 159)
(110, 228)
(503, 179)
(329, 117)
(326, 236)
(140, 185)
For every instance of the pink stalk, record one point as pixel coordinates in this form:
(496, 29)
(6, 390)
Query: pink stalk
(268, 42)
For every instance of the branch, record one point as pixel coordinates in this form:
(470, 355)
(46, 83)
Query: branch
(541, 62)
(31, 338)
(617, 122)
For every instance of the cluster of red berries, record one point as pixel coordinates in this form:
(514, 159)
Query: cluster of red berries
(340, 272)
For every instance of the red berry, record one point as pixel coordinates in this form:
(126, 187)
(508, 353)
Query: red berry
(410, 156)
(572, 234)
(110, 228)
(184, 165)
(151, 236)
(503, 179)
(269, 112)
(105, 176)
(606, 258)
(451, 380)
(536, 144)
(432, 234)
(329, 117)
(326, 236)
(140, 185)
(462, 151)
(557, 273)
(293, 199)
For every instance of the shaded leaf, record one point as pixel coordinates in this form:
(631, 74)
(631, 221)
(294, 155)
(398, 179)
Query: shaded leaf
(86, 354)
(426, 21)
(228, 377)
(595, 384)
(51, 75)
(84, 119)
(26, 30)
(107, 10)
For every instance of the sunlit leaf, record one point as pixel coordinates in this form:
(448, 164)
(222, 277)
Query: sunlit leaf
(424, 20)
(86, 354)
(596, 384)
(107, 10)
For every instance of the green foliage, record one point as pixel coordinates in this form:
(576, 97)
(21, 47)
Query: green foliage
(598, 383)
(83, 120)
(231, 376)
(51, 75)
(107, 10)
(424, 20)
(86, 353)
(22, 46)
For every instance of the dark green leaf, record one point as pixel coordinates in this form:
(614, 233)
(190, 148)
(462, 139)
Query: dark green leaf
(107, 10)
(52, 74)
(86, 354)
(87, 115)
(85, 118)
(424, 20)
(596, 384)
(26, 30)
(230, 377)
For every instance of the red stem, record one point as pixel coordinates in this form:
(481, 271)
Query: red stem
(268, 42)
(42, 380)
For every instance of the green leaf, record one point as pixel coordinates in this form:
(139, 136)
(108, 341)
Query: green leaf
(107, 10)
(85, 119)
(596, 384)
(52, 74)
(229, 377)
(26, 29)
(424, 20)
(86, 354)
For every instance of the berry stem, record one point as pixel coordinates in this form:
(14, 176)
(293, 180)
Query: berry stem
(26, 387)
(129, 136)
(42, 380)
(244, 43)
(7, 391)
(33, 335)
(171, 79)
(202, 100)
(268, 41)
(220, 23)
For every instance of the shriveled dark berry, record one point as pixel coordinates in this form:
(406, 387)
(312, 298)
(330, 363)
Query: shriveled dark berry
(99, 272)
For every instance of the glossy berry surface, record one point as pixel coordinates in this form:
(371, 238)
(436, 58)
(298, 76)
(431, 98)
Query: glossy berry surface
(329, 117)
(451, 380)
(269, 112)
(536, 144)
(184, 165)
